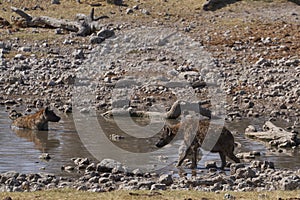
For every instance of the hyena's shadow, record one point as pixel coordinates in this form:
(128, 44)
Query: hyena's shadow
(38, 138)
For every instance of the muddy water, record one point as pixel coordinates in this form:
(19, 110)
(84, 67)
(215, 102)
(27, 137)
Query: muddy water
(20, 149)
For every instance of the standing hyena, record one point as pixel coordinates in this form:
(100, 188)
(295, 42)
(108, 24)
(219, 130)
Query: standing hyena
(222, 143)
(36, 121)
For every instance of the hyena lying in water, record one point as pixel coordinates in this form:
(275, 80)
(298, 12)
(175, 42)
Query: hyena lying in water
(36, 121)
(215, 142)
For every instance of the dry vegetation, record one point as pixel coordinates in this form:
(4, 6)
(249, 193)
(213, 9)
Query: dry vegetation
(166, 195)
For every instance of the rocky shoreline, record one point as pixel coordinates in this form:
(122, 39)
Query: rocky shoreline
(109, 175)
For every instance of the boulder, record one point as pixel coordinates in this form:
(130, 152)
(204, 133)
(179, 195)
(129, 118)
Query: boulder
(274, 135)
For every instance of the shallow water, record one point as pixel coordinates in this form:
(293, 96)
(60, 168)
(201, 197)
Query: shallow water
(20, 149)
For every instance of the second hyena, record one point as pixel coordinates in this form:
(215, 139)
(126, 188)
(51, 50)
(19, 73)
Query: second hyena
(194, 135)
(36, 121)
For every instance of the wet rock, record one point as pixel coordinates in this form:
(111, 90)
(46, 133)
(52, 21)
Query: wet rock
(81, 161)
(166, 179)
(137, 172)
(115, 137)
(45, 156)
(210, 164)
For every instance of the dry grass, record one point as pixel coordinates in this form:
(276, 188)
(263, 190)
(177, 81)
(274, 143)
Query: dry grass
(165, 195)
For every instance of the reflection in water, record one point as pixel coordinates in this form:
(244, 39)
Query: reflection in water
(39, 138)
(20, 149)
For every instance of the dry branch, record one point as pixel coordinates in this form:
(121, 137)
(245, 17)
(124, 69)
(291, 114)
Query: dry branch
(83, 26)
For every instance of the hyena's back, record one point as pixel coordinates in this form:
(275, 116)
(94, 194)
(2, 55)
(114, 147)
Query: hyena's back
(37, 121)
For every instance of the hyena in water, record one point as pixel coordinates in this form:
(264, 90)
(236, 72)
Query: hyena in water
(36, 121)
(194, 135)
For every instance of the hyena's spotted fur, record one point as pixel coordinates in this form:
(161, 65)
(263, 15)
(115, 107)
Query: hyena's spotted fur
(222, 143)
(36, 121)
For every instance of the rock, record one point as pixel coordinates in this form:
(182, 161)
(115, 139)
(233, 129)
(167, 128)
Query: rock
(19, 56)
(106, 165)
(290, 183)
(210, 164)
(45, 156)
(55, 2)
(262, 165)
(78, 54)
(250, 128)
(96, 40)
(166, 179)
(145, 12)
(235, 166)
(106, 33)
(68, 168)
(91, 167)
(81, 161)
(158, 186)
(245, 173)
(116, 2)
(276, 136)
(82, 188)
(228, 196)
(137, 172)
(129, 11)
(25, 49)
(145, 185)
(261, 61)
(115, 137)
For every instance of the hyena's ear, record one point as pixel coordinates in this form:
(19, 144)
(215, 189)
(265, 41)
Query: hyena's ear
(47, 109)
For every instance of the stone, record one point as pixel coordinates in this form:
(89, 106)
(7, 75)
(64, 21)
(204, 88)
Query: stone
(19, 56)
(55, 2)
(45, 156)
(166, 179)
(115, 2)
(78, 54)
(106, 165)
(235, 166)
(276, 136)
(210, 164)
(145, 12)
(129, 11)
(96, 40)
(105, 33)
(158, 186)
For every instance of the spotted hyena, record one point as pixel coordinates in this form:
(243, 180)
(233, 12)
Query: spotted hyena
(222, 143)
(36, 121)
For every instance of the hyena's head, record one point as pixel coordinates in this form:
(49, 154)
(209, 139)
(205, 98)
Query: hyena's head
(50, 115)
(167, 135)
